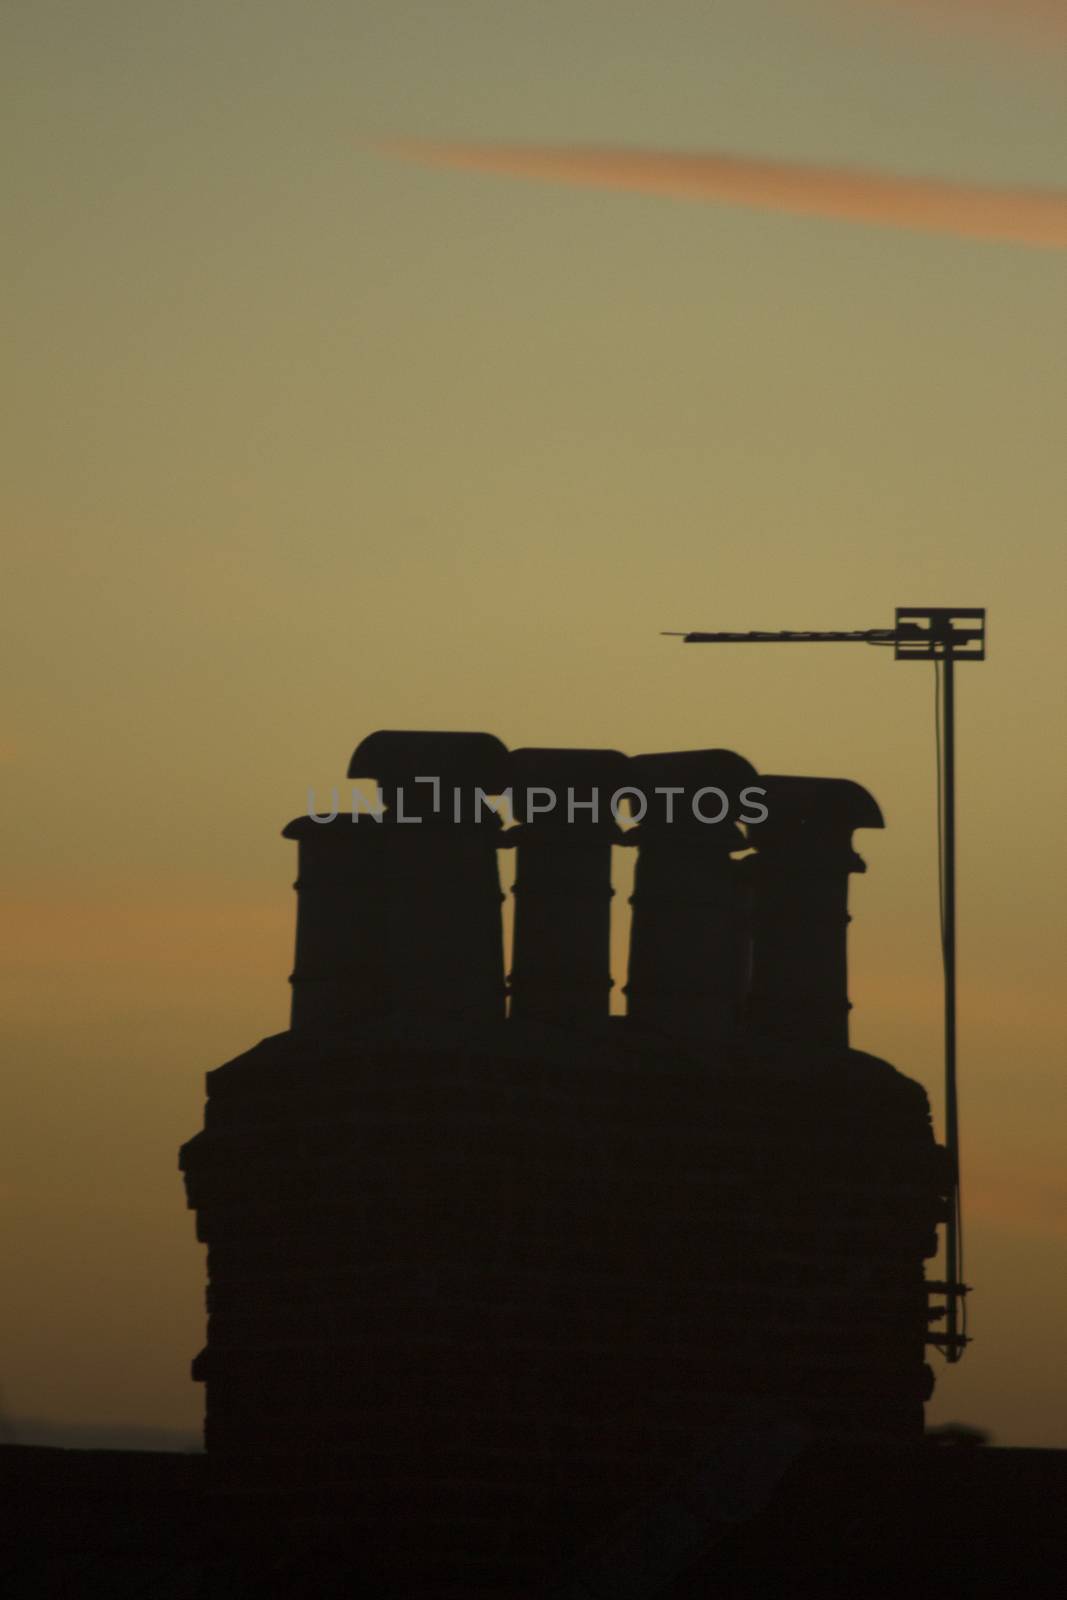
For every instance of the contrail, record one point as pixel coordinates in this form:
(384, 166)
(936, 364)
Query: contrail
(1035, 217)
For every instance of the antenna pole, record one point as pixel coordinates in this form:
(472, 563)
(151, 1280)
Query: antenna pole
(948, 912)
(944, 635)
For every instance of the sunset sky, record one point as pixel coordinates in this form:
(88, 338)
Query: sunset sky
(306, 440)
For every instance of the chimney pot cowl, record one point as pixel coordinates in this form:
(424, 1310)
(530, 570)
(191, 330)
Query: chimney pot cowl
(690, 771)
(578, 780)
(553, 768)
(393, 756)
(310, 828)
(693, 769)
(819, 803)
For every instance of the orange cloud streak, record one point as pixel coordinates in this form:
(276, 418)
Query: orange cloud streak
(1039, 18)
(1025, 216)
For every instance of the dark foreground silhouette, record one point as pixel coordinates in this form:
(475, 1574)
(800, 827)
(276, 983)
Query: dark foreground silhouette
(844, 1518)
(511, 1280)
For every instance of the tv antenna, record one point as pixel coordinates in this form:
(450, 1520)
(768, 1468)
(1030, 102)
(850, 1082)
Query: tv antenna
(944, 635)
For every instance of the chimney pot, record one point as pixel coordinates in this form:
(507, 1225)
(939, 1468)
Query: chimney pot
(688, 937)
(800, 875)
(561, 967)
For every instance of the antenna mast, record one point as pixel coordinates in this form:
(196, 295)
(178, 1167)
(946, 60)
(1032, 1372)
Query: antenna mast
(943, 635)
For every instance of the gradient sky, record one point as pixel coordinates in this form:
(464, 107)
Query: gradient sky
(304, 442)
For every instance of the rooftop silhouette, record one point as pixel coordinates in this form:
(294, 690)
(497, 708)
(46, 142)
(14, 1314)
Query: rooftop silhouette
(496, 1265)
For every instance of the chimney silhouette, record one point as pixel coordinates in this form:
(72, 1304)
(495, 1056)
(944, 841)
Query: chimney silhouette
(401, 913)
(439, 913)
(688, 937)
(561, 962)
(800, 875)
(478, 1286)
(341, 975)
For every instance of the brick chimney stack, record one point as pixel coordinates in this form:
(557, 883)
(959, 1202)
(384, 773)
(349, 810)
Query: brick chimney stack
(477, 1286)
